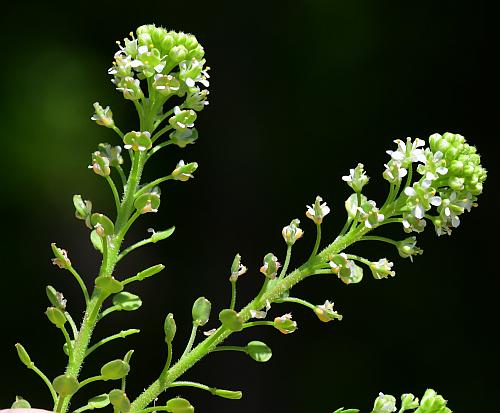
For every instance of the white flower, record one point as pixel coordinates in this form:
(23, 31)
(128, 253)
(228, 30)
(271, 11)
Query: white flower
(357, 178)
(261, 314)
(382, 269)
(317, 211)
(394, 172)
(408, 152)
(326, 313)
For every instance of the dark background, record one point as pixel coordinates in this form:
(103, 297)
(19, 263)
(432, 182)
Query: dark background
(300, 92)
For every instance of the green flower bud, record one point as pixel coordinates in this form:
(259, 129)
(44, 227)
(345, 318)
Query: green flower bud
(184, 137)
(231, 320)
(346, 269)
(65, 385)
(103, 117)
(137, 141)
(83, 209)
(113, 153)
(115, 370)
(384, 403)
(149, 272)
(197, 53)
(196, 99)
(183, 172)
(182, 119)
(56, 316)
(108, 284)
(179, 405)
(100, 164)
(408, 248)
(98, 402)
(166, 44)
(20, 403)
(127, 301)
(55, 297)
(201, 311)
(160, 235)
(432, 403)
(148, 202)
(131, 88)
(292, 232)
(356, 178)
(382, 269)
(177, 54)
(24, 356)
(285, 324)
(102, 224)
(259, 351)
(408, 401)
(237, 269)
(271, 266)
(119, 400)
(317, 211)
(227, 394)
(61, 257)
(170, 328)
(325, 312)
(166, 84)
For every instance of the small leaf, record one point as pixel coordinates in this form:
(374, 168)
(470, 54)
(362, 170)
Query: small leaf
(161, 235)
(98, 402)
(148, 272)
(108, 284)
(231, 320)
(20, 403)
(228, 394)
(259, 351)
(102, 224)
(201, 311)
(65, 385)
(179, 405)
(115, 370)
(96, 240)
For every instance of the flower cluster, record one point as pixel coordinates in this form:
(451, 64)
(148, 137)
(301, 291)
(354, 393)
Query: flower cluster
(451, 179)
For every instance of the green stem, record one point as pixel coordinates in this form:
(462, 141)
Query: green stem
(158, 147)
(72, 324)
(108, 311)
(121, 334)
(129, 223)
(377, 238)
(115, 192)
(160, 133)
(258, 323)
(297, 301)
(169, 357)
(46, 381)
(346, 226)
(358, 258)
(230, 348)
(233, 295)
(81, 283)
(118, 131)
(192, 337)
(60, 403)
(122, 175)
(318, 241)
(68, 342)
(89, 380)
(133, 247)
(210, 344)
(287, 262)
(158, 181)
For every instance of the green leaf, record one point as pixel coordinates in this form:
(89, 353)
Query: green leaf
(148, 272)
(115, 370)
(228, 394)
(127, 301)
(102, 224)
(259, 351)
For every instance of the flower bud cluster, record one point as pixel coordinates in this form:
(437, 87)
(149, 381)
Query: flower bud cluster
(451, 179)
(173, 60)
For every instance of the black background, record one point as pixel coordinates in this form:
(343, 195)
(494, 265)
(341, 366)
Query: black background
(300, 92)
